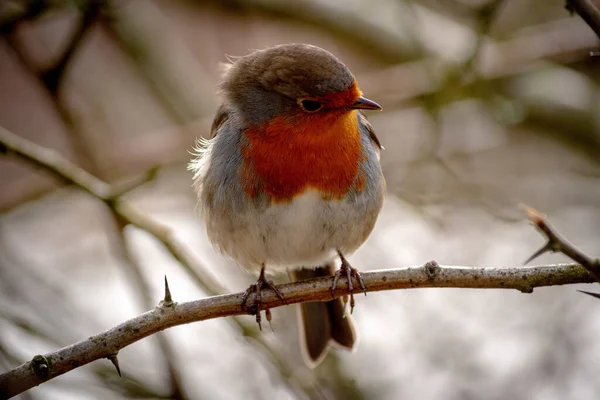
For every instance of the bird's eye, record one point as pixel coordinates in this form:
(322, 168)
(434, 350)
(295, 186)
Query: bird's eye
(310, 105)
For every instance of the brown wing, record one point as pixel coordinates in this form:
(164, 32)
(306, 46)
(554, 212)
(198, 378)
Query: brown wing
(220, 118)
(370, 130)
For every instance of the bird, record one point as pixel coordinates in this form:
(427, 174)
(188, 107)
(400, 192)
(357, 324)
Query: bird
(290, 180)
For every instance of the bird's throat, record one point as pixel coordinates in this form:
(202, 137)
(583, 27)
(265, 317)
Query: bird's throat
(287, 156)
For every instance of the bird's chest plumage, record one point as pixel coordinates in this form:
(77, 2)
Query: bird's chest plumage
(290, 201)
(288, 156)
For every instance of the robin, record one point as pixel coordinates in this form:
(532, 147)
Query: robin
(290, 180)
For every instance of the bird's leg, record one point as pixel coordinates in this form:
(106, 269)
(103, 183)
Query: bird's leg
(349, 272)
(261, 283)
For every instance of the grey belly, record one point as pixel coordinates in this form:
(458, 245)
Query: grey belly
(305, 232)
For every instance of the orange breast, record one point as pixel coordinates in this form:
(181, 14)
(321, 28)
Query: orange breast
(289, 155)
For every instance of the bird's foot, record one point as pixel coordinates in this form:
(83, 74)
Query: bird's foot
(254, 308)
(348, 271)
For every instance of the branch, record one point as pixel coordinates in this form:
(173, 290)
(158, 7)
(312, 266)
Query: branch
(44, 367)
(587, 11)
(556, 243)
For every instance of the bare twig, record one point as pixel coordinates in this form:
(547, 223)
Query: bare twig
(587, 11)
(555, 40)
(103, 345)
(11, 17)
(52, 76)
(556, 243)
(67, 171)
(82, 151)
(337, 22)
(54, 162)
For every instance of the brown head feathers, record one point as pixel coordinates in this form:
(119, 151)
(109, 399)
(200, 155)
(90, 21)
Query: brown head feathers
(291, 70)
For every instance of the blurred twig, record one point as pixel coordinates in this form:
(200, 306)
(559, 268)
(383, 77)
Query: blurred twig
(179, 91)
(343, 25)
(505, 66)
(12, 15)
(52, 76)
(555, 40)
(45, 367)
(456, 79)
(587, 11)
(62, 168)
(455, 10)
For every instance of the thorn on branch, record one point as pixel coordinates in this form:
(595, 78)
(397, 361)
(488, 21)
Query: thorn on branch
(596, 295)
(544, 249)
(168, 300)
(115, 361)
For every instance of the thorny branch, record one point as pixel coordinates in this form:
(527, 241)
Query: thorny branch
(556, 243)
(44, 367)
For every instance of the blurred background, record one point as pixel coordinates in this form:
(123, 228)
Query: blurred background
(487, 105)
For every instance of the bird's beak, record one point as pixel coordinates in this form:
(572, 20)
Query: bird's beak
(365, 104)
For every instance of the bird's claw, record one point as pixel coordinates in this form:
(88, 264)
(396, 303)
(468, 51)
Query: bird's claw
(348, 271)
(254, 308)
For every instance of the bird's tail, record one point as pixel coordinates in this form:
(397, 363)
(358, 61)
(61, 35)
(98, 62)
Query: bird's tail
(322, 323)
